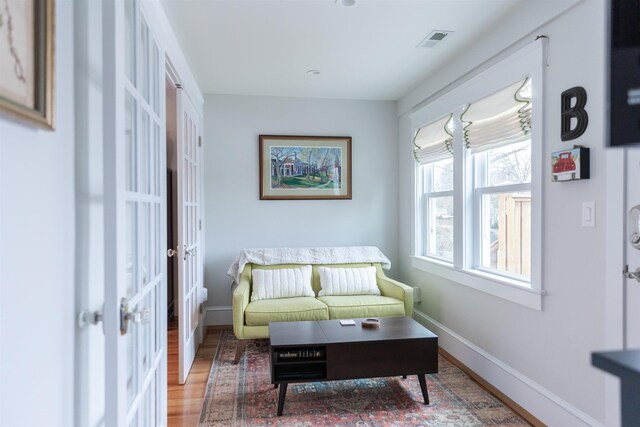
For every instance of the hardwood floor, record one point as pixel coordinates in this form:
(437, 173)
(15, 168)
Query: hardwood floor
(185, 401)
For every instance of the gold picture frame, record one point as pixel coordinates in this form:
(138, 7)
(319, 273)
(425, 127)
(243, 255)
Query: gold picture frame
(27, 77)
(305, 167)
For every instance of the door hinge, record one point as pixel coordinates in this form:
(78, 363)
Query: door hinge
(199, 141)
(199, 224)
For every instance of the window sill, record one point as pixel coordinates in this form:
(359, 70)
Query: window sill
(500, 287)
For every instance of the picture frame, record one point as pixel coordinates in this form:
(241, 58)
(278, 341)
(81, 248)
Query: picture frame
(27, 78)
(570, 165)
(305, 167)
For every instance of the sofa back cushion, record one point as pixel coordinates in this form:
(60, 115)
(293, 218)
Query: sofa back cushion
(281, 283)
(348, 281)
(315, 277)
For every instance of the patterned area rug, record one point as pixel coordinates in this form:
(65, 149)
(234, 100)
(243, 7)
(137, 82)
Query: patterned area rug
(242, 395)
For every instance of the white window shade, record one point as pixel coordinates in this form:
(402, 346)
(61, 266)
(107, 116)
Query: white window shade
(499, 119)
(434, 141)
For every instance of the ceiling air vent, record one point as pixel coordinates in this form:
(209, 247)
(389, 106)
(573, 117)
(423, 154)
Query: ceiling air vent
(434, 38)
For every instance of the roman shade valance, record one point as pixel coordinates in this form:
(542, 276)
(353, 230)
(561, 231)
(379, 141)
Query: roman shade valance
(433, 142)
(499, 119)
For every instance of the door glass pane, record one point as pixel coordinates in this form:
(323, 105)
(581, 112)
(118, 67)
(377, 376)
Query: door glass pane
(153, 244)
(153, 157)
(158, 397)
(145, 337)
(160, 174)
(144, 153)
(156, 79)
(160, 252)
(157, 309)
(131, 224)
(440, 227)
(129, 42)
(131, 149)
(145, 245)
(506, 232)
(132, 360)
(195, 264)
(144, 59)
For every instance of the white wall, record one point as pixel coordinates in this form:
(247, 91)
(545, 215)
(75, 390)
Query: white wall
(549, 350)
(235, 216)
(37, 256)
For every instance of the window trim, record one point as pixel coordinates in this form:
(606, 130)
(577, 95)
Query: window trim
(528, 60)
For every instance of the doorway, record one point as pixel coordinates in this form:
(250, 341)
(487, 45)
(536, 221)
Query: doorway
(184, 258)
(172, 237)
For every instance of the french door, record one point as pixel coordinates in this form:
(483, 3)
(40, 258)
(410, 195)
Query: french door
(189, 273)
(632, 286)
(135, 221)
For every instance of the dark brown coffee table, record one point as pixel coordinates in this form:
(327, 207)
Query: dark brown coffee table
(324, 350)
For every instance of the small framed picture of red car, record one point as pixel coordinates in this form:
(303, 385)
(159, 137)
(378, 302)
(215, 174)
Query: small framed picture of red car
(570, 165)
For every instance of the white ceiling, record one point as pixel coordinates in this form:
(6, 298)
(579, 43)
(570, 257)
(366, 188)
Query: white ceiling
(368, 51)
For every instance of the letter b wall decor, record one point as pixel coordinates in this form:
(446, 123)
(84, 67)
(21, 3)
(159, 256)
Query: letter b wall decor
(573, 110)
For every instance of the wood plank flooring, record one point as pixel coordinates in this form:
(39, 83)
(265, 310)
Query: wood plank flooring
(185, 401)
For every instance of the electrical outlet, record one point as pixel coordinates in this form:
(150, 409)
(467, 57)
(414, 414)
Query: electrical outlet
(417, 294)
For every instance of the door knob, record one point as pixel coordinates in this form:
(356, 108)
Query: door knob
(631, 274)
(187, 252)
(135, 316)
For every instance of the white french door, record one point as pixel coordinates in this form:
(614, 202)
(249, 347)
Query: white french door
(135, 221)
(189, 273)
(632, 286)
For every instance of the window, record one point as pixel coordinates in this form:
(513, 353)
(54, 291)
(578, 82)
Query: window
(433, 151)
(478, 180)
(498, 133)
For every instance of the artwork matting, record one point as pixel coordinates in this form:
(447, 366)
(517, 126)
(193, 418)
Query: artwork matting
(27, 66)
(305, 167)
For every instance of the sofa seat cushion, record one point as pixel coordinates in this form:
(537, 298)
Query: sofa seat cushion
(353, 306)
(260, 313)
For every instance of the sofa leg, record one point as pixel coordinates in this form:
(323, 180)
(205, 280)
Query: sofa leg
(239, 350)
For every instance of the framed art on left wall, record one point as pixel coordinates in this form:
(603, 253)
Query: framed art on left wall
(27, 60)
(305, 167)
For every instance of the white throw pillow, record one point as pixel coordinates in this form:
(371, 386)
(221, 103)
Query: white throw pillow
(348, 281)
(282, 283)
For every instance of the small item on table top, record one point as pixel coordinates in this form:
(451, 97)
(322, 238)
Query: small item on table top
(371, 323)
(348, 322)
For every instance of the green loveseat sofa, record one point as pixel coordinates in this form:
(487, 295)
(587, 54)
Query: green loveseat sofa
(251, 318)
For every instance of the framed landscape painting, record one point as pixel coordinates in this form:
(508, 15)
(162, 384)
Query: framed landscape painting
(305, 167)
(26, 60)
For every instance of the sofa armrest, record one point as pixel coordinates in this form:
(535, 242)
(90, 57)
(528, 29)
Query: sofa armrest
(241, 295)
(394, 289)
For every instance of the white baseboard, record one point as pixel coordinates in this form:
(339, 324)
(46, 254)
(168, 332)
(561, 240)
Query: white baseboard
(218, 315)
(540, 402)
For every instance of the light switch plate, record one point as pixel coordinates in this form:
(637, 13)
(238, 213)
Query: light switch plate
(588, 214)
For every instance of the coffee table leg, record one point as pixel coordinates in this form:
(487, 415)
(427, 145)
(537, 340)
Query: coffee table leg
(423, 387)
(282, 394)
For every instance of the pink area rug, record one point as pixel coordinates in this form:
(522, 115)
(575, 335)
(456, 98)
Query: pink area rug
(242, 395)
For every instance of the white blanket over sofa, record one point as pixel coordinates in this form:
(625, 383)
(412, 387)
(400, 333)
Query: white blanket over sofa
(336, 255)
